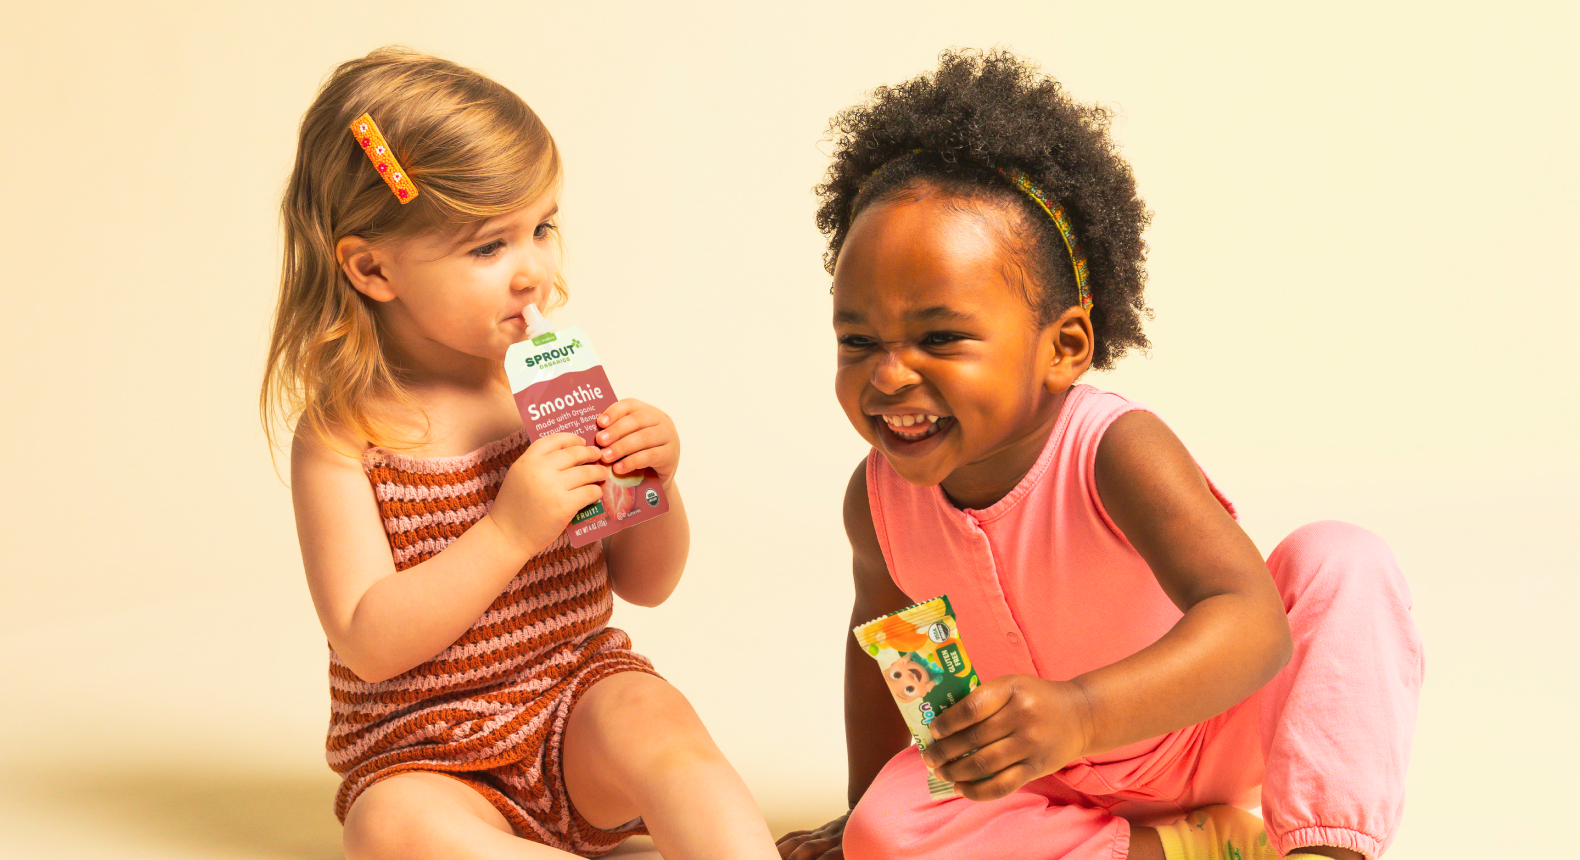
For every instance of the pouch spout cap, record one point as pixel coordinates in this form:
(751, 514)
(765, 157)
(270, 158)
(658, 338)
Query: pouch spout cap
(536, 323)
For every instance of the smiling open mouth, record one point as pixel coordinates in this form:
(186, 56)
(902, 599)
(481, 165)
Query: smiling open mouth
(914, 428)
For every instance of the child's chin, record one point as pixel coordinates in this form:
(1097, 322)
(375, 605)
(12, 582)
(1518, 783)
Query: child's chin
(916, 474)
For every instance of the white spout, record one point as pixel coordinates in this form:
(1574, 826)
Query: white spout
(536, 323)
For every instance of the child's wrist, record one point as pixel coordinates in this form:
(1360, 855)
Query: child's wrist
(503, 540)
(1082, 700)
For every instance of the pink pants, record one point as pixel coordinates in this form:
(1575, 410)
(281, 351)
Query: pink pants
(1327, 740)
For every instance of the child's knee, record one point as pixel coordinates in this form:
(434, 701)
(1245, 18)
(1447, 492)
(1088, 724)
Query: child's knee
(1341, 584)
(1332, 560)
(870, 829)
(374, 830)
(403, 816)
(635, 717)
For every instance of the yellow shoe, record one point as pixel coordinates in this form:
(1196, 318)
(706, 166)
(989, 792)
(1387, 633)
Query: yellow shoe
(1217, 833)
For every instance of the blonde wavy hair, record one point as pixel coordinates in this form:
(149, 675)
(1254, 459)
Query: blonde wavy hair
(474, 150)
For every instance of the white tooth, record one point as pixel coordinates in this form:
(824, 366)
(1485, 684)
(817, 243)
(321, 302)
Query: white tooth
(905, 420)
(932, 419)
(889, 420)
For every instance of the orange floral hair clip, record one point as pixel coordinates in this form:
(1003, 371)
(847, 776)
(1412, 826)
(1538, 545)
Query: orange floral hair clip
(378, 151)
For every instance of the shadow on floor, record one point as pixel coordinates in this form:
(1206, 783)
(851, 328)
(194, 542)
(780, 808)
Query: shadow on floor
(234, 813)
(287, 816)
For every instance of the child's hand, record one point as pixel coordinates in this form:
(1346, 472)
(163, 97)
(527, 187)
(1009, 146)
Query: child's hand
(554, 478)
(1006, 733)
(635, 436)
(823, 842)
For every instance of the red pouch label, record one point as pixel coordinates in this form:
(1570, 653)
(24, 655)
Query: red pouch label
(560, 387)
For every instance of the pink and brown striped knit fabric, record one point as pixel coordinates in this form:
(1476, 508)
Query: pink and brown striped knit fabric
(489, 710)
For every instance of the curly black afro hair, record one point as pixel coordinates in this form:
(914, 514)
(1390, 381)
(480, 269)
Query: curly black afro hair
(950, 129)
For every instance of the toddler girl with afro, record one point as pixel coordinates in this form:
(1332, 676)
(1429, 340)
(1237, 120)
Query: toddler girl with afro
(1146, 676)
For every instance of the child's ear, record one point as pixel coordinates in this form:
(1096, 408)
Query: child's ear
(1067, 342)
(364, 267)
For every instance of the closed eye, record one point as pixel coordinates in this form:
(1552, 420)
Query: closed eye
(941, 338)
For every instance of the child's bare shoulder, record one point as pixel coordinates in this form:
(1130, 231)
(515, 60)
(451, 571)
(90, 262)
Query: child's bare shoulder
(858, 513)
(325, 449)
(344, 548)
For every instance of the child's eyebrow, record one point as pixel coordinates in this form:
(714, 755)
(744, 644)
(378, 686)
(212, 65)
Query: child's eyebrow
(940, 312)
(482, 235)
(937, 312)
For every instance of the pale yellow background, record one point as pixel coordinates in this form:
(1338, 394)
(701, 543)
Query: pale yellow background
(1362, 266)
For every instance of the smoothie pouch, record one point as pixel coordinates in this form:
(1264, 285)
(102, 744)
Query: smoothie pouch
(925, 665)
(560, 387)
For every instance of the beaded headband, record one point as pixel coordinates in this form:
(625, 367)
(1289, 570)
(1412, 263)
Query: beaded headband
(378, 151)
(1061, 219)
(1055, 210)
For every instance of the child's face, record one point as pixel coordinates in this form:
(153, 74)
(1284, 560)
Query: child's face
(933, 328)
(907, 682)
(450, 296)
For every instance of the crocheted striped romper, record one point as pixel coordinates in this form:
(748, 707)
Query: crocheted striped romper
(491, 709)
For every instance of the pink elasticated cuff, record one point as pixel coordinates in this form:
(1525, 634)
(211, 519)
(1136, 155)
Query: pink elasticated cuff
(1332, 837)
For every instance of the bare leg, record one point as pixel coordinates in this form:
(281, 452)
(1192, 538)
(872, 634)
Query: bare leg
(427, 815)
(634, 747)
(1144, 844)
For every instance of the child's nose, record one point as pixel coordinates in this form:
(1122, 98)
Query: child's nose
(536, 271)
(892, 373)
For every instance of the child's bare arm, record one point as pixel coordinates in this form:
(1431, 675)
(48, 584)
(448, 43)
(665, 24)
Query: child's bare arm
(645, 563)
(874, 729)
(1233, 638)
(1235, 634)
(382, 622)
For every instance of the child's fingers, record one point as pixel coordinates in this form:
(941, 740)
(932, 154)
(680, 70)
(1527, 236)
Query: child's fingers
(588, 475)
(662, 459)
(812, 849)
(650, 458)
(586, 494)
(642, 440)
(619, 409)
(556, 441)
(1001, 784)
(983, 761)
(978, 705)
(573, 455)
(625, 426)
(966, 744)
(823, 842)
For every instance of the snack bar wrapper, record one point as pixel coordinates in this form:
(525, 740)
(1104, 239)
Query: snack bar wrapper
(560, 387)
(924, 664)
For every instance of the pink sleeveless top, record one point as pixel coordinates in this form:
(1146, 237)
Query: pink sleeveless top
(1042, 582)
